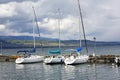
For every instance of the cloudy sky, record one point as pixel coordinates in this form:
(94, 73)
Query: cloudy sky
(101, 18)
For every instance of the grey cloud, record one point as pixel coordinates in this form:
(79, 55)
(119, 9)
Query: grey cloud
(99, 16)
(7, 1)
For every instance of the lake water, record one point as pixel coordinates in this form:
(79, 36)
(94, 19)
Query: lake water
(41, 71)
(44, 51)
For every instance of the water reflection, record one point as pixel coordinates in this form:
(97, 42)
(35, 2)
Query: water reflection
(19, 66)
(69, 72)
(52, 72)
(94, 72)
(29, 71)
(76, 72)
(84, 71)
(41, 71)
(116, 69)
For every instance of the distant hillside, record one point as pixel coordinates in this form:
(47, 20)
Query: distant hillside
(21, 41)
(90, 43)
(27, 41)
(24, 38)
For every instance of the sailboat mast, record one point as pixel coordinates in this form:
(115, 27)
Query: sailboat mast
(80, 41)
(59, 26)
(82, 24)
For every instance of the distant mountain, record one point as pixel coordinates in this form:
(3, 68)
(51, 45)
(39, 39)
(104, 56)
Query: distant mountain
(19, 41)
(90, 43)
(27, 41)
(24, 38)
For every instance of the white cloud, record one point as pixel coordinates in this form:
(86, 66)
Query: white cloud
(2, 27)
(68, 27)
(49, 24)
(6, 10)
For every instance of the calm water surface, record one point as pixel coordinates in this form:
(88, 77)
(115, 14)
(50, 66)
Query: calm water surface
(41, 71)
(44, 51)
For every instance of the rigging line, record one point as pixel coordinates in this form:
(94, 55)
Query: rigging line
(82, 26)
(37, 24)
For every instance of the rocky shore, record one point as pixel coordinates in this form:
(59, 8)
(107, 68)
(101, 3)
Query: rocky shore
(102, 59)
(6, 58)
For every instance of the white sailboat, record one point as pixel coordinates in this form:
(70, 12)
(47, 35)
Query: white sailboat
(78, 58)
(55, 58)
(28, 58)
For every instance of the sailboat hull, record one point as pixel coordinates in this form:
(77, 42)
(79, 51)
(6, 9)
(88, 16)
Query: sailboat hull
(53, 60)
(31, 59)
(76, 60)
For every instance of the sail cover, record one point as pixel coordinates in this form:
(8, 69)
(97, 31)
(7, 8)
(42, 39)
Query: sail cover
(58, 51)
(79, 49)
(27, 51)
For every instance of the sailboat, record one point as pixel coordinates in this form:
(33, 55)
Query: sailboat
(78, 58)
(28, 57)
(55, 58)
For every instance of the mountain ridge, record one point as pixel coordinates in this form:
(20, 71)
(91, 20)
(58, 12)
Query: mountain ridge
(27, 41)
